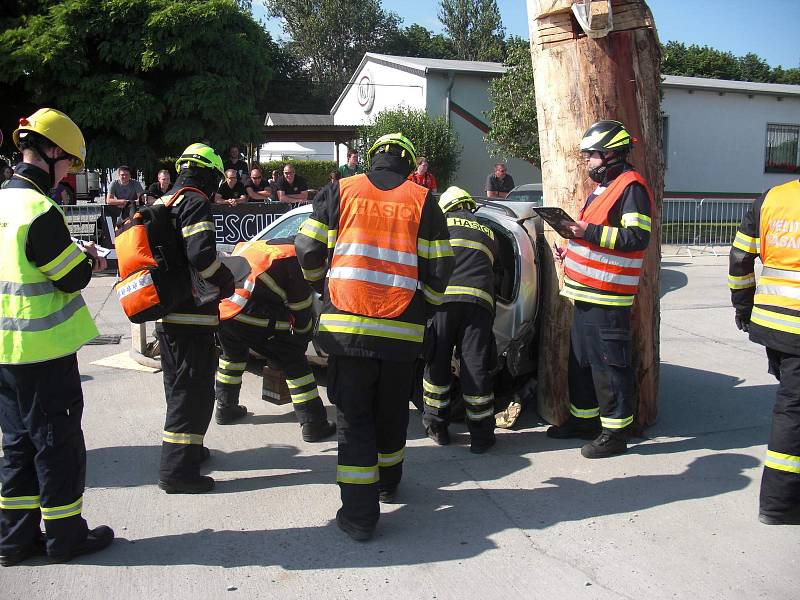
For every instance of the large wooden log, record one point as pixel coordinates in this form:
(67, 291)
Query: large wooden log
(579, 80)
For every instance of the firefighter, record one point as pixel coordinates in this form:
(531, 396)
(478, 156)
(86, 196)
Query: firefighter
(271, 312)
(770, 312)
(383, 242)
(186, 335)
(44, 322)
(464, 321)
(602, 266)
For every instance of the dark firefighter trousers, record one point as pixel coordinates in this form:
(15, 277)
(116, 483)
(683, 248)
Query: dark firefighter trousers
(468, 328)
(188, 362)
(601, 378)
(283, 349)
(371, 396)
(44, 457)
(780, 482)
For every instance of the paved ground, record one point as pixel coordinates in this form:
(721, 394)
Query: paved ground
(674, 518)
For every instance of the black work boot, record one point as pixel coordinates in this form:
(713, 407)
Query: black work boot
(357, 532)
(440, 435)
(573, 429)
(38, 547)
(387, 495)
(317, 431)
(227, 414)
(198, 485)
(791, 517)
(481, 445)
(98, 538)
(604, 446)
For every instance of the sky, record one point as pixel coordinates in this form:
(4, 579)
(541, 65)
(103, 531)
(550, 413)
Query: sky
(768, 28)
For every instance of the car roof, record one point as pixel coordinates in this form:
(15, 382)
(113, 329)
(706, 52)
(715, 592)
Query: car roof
(527, 187)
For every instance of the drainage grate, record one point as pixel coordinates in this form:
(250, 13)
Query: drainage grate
(106, 340)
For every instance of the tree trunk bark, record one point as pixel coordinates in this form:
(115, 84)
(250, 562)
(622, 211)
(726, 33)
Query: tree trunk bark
(579, 80)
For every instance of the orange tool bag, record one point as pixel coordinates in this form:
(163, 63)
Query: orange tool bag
(153, 270)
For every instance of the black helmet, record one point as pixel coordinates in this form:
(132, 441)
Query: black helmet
(607, 135)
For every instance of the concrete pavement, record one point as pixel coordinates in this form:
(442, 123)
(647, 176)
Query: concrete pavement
(673, 518)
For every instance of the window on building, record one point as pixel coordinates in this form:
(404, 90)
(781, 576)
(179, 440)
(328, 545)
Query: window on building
(783, 149)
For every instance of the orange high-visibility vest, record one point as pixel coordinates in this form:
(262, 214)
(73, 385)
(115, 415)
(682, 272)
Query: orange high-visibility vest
(260, 256)
(373, 269)
(601, 268)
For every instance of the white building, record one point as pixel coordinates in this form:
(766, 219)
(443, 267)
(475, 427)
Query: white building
(454, 89)
(729, 137)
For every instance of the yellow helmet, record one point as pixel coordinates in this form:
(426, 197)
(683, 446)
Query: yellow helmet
(201, 155)
(453, 196)
(57, 127)
(382, 144)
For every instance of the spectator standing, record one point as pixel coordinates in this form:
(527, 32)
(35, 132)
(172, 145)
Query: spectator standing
(231, 191)
(351, 167)
(292, 187)
(160, 187)
(499, 183)
(273, 185)
(234, 161)
(422, 176)
(7, 174)
(334, 176)
(257, 189)
(123, 194)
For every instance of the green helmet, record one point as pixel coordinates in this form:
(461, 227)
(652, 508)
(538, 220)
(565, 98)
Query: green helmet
(201, 155)
(454, 196)
(394, 139)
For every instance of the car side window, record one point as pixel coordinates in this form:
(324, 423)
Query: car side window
(286, 228)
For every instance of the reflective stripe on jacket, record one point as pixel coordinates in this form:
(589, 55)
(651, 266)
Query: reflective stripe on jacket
(38, 322)
(373, 269)
(590, 266)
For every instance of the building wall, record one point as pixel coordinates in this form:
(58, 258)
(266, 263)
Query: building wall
(717, 143)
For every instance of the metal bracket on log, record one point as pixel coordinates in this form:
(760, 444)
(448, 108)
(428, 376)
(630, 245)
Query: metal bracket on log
(558, 21)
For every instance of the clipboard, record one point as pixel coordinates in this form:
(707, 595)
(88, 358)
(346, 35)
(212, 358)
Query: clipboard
(557, 218)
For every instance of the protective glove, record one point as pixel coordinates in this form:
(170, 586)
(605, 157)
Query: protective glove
(742, 321)
(223, 279)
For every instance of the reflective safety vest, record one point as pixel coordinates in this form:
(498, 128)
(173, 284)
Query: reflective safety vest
(38, 322)
(779, 283)
(601, 268)
(259, 256)
(373, 269)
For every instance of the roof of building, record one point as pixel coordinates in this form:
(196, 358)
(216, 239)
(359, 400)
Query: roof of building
(291, 119)
(724, 85)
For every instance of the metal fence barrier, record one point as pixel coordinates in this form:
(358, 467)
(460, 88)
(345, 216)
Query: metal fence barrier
(700, 225)
(82, 220)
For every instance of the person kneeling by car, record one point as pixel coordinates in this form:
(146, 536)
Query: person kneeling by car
(464, 320)
(270, 312)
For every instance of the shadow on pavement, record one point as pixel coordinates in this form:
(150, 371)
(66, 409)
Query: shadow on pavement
(671, 281)
(435, 525)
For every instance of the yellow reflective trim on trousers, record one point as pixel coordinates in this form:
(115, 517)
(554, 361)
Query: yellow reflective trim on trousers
(232, 366)
(63, 263)
(196, 228)
(190, 319)
(304, 397)
(314, 274)
(477, 416)
(392, 458)
(744, 242)
(741, 282)
(584, 413)
(270, 283)
(355, 325)
(301, 381)
(19, 502)
(782, 462)
(52, 513)
(435, 389)
(305, 329)
(459, 290)
(314, 229)
(616, 423)
(472, 245)
(587, 296)
(608, 237)
(478, 400)
(435, 402)
(256, 321)
(639, 220)
(182, 438)
(775, 320)
(302, 304)
(357, 475)
(211, 269)
(229, 379)
(431, 295)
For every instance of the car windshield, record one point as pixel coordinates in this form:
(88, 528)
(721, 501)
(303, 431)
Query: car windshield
(534, 196)
(286, 228)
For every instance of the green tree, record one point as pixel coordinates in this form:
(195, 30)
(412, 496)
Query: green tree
(331, 37)
(754, 68)
(475, 28)
(432, 138)
(514, 131)
(142, 78)
(698, 61)
(416, 40)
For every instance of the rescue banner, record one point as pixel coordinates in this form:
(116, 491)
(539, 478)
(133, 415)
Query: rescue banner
(233, 224)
